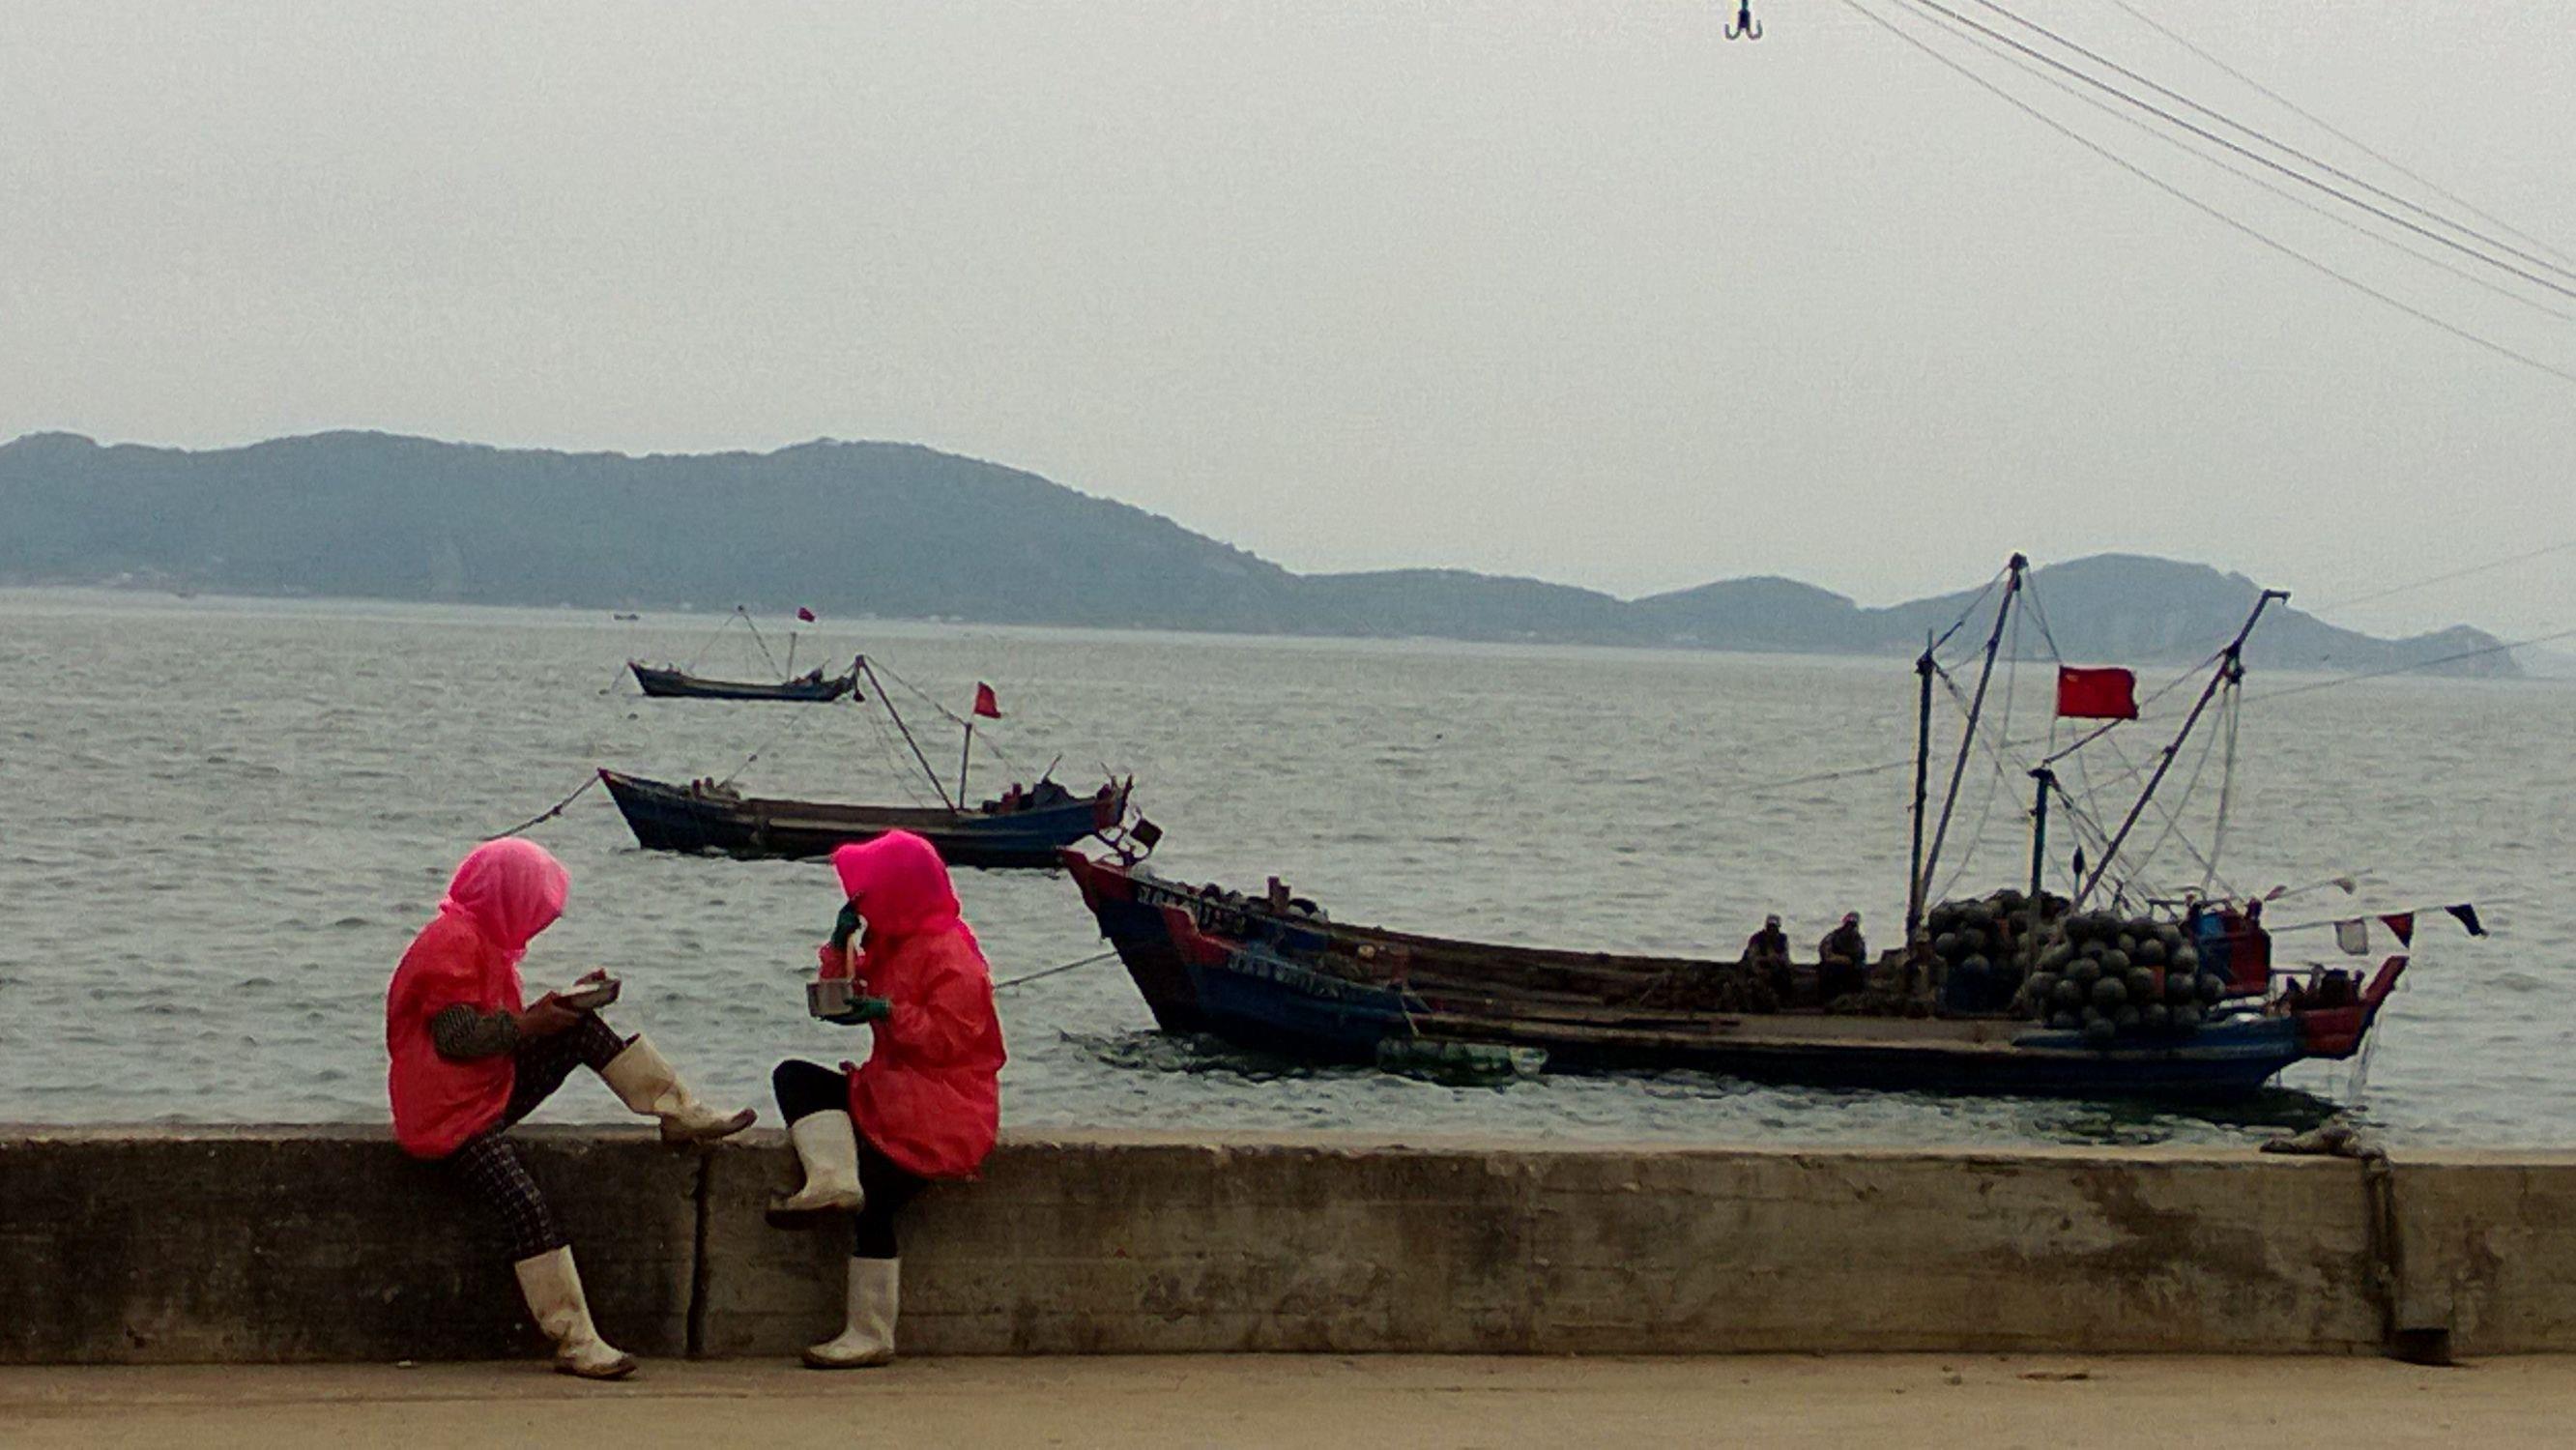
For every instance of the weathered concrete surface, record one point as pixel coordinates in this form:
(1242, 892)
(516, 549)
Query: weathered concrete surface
(2487, 1249)
(1096, 1244)
(157, 1245)
(1332, 1403)
(305, 1244)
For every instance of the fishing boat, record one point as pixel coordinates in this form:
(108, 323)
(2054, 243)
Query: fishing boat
(1275, 979)
(1028, 830)
(671, 682)
(2014, 995)
(675, 682)
(1024, 826)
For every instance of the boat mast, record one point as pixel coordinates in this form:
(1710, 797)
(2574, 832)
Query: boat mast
(927, 769)
(2231, 668)
(964, 755)
(1922, 769)
(2013, 570)
(2039, 835)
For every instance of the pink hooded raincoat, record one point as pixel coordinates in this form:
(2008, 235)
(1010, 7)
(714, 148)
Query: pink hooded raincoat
(929, 1095)
(502, 895)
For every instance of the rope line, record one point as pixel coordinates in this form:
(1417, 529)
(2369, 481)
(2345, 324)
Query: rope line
(1052, 971)
(549, 813)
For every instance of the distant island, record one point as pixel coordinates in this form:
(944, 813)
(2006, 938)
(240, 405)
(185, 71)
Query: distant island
(897, 530)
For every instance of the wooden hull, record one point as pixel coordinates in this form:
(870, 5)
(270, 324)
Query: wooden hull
(1286, 984)
(669, 817)
(665, 684)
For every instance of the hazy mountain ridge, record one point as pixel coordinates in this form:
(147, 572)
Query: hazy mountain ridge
(900, 530)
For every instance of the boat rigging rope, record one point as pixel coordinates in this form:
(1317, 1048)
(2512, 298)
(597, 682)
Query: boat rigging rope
(2232, 717)
(2378, 594)
(779, 738)
(550, 812)
(2466, 654)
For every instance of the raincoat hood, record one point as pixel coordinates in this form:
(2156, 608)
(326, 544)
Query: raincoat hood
(898, 885)
(508, 891)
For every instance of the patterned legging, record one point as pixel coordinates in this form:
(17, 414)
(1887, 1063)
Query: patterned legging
(490, 1170)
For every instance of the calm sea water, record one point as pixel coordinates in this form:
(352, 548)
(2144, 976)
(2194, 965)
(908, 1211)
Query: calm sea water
(221, 821)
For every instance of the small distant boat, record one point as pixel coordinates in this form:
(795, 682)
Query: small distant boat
(669, 683)
(1025, 826)
(675, 682)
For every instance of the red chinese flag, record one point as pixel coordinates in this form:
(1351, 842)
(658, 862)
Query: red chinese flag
(985, 704)
(804, 614)
(2105, 694)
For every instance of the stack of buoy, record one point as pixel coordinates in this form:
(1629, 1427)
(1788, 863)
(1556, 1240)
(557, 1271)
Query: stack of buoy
(2109, 978)
(1981, 948)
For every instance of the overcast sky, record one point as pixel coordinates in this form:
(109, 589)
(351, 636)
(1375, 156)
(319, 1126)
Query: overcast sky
(1574, 289)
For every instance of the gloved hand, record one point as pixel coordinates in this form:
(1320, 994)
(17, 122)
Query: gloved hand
(863, 1010)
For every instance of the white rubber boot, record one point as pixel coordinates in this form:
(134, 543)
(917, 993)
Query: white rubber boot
(647, 1084)
(828, 1148)
(868, 1339)
(552, 1287)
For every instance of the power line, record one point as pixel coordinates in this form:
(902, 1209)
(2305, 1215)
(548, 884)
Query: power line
(2250, 178)
(2258, 158)
(2345, 137)
(2205, 208)
(2274, 142)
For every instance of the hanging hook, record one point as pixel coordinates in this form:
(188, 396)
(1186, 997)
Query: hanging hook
(1744, 27)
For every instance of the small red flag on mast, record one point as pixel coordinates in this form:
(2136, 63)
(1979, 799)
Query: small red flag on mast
(2103, 694)
(804, 614)
(985, 704)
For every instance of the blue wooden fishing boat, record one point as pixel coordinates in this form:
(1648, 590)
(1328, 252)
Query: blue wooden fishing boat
(706, 816)
(1272, 975)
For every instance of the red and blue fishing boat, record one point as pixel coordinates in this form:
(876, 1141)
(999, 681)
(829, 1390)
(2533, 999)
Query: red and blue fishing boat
(2025, 992)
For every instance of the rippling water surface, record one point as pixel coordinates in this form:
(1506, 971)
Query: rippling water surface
(221, 821)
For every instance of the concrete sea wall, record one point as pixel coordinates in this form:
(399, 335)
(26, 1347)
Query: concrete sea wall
(163, 1245)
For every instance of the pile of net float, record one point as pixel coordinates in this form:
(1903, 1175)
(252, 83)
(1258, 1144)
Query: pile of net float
(2109, 977)
(2096, 973)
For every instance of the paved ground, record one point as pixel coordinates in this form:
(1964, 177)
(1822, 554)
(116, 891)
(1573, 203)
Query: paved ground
(1344, 1404)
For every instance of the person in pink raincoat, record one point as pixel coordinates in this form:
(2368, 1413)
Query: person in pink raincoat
(469, 1058)
(927, 1102)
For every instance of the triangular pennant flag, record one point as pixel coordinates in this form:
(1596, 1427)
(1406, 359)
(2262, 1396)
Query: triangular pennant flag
(2402, 923)
(804, 614)
(2353, 937)
(985, 705)
(2468, 915)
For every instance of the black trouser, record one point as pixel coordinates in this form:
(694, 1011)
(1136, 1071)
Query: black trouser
(807, 1088)
(486, 1164)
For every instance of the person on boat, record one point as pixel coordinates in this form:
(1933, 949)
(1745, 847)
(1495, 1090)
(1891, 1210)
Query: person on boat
(1767, 953)
(924, 1106)
(2250, 954)
(1844, 955)
(470, 1057)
